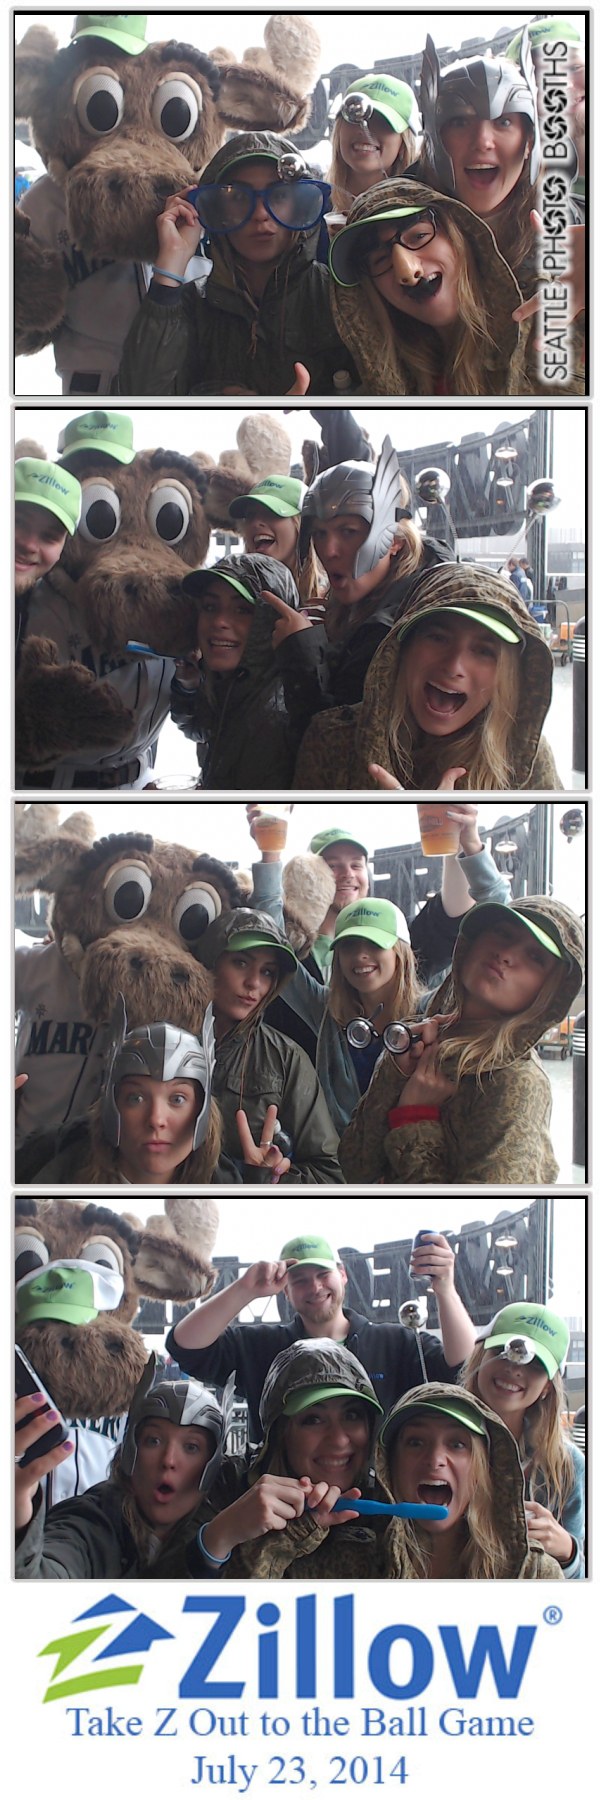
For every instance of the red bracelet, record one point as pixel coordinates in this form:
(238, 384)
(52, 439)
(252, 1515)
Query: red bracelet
(411, 1115)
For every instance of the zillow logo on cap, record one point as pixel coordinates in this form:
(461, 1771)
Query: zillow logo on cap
(139, 1633)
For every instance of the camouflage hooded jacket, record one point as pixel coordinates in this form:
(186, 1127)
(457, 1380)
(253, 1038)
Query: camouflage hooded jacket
(338, 746)
(492, 1129)
(528, 1562)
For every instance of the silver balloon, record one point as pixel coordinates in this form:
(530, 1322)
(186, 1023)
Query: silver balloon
(519, 1350)
(541, 497)
(432, 486)
(357, 109)
(413, 1314)
(290, 166)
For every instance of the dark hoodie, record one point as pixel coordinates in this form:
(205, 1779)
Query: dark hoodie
(243, 730)
(257, 1067)
(495, 288)
(181, 342)
(336, 750)
(528, 1562)
(492, 1129)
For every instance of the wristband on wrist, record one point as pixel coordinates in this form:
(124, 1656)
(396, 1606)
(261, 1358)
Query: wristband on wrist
(218, 1561)
(411, 1115)
(169, 273)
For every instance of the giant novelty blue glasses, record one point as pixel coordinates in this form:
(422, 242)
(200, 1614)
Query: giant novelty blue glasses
(226, 207)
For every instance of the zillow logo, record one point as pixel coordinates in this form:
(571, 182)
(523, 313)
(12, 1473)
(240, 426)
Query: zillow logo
(130, 1639)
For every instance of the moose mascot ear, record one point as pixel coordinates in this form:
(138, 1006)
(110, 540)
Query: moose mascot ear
(174, 1257)
(34, 60)
(271, 88)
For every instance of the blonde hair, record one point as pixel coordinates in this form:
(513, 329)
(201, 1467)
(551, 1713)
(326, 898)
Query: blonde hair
(551, 1464)
(483, 748)
(341, 175)
(491, 1046)
(345, 1003)
(102, 1160)
(309, 576)
(485, 1556)
(411, 357)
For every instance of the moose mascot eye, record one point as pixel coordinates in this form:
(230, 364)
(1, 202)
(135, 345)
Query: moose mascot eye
(127, 892)
(169, 511)
(100, 512)
(176, 107)
(196, 910)
(99, 102)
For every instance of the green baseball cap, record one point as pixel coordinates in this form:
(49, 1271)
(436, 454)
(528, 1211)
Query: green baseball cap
(126, 30)
(313, 1250)
(297, 1403)
(282, 494)
(493, 620)
(543, 31)
(73, 1291)
(490, 913)
(546, 1333)
(40, 483)
(110, 432)
(378, 920)
(323, 840)
(196, 583)
(392, 98)
(461, 1410)
(256, 940)
(342, 250)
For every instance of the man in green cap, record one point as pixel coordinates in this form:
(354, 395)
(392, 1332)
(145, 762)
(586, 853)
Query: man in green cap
(47, 509)
(209, 1345)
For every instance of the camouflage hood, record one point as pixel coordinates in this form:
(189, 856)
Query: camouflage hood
(506, 1471)
(560, 924)
(311, 1363)
(242, 148)
(442, 587)
(257, 665)
(245, 921)
(497, 286)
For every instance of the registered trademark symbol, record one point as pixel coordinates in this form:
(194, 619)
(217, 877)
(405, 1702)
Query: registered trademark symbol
(553, 1615)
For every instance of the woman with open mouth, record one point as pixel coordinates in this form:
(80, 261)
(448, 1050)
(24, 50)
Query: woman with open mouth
(139, 1520)
(155, 1123)
(319, 1415)
(268, 520)
(444, 693)
(441, 1446)
(482, 145)
(374, 136)
(423, 298)
(516, 1368)
(469, 1101)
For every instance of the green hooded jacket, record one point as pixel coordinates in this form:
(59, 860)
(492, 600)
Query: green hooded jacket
(257, 1067)
(528, 1562)
(492, 1130)
(181, 342)
(338, 746)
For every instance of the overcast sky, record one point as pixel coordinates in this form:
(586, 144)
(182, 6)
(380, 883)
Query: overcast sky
(361, 37)
(214, 430)
(255, 1231)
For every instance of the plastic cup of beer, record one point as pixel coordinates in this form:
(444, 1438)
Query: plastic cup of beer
(335, 221)
(174, 784)
(270, 831)
(440, 836)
